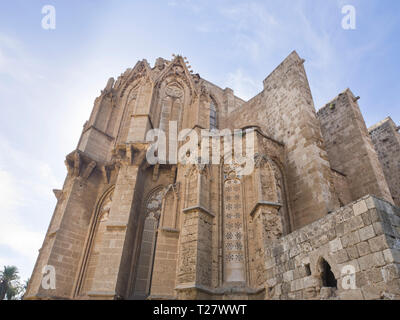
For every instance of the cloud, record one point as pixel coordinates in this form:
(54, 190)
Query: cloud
(21, 242)
(15, 62)
(189, 4)
(25, 196)
(244, 86)
(172, 3)
(252, 25)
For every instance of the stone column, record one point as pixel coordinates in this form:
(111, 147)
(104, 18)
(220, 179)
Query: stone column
(195, 259)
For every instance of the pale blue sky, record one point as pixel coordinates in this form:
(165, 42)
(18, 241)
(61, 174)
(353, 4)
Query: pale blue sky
(49, 79)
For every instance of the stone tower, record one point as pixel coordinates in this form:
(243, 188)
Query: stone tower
(125, 228)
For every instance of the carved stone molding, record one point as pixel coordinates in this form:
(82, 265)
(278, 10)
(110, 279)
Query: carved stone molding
(202, 169)
(106, 207)
(265, 203)
(59, 194)
(175, 189)
(231, 170)
(198, 209)
(174, 92)
(178, 70)
(89, 169)
(116, 227)
(260, 159)
(156, 171)
(130, 154)
(153, 205)
(138, 72)
(204, 92)
(106, 171)
(80, 165)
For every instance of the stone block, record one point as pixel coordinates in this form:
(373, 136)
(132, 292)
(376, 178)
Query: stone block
(360, 207)
(370, 203)
(335, 245)
(371, 292)
(355, 294)
(312, 281)
(374, 275)
(363, 248)
(341, 256)
(392, 255)
(354, 223)
(366, 233)
(350, 239)
(288, 276)
(390, 272)
(378, 243)
(352, 252)
(371, 261)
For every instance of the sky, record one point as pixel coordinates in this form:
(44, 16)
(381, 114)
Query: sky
(50, 78)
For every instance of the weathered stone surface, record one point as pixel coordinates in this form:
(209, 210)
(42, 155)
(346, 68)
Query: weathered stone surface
(366, 233)
(372, 260)
(363, 248)
(360, 208)
(295, 228)
(386, 140)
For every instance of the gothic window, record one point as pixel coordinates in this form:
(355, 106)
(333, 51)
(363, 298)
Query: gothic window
(147, 247)
(213, 115)
(95, 246)
(127, 116)
(171, 106)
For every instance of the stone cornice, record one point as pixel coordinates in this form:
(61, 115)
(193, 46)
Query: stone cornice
(80, 164)
(99, 131)
(265, 203)
(198, 208)
(116, 226)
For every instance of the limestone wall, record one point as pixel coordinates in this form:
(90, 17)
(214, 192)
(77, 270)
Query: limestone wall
(386, 140)
(284, 110)
(342, 189)
(350, 148)
(364, 235)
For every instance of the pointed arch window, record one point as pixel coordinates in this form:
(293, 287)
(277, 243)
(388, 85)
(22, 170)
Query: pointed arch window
(144, 266)
(213, 115)
(327, 276)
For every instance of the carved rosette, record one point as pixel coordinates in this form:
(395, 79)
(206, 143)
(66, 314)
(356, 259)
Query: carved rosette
(174, 92)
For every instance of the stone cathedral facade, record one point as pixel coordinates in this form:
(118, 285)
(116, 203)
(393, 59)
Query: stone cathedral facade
(318, 217)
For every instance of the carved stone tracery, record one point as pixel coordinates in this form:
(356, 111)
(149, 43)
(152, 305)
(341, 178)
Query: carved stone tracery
(234, 253)
(95, 242)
